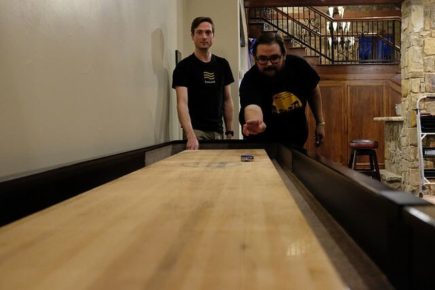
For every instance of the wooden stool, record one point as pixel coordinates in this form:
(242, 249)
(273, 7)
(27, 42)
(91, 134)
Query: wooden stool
(361, 147)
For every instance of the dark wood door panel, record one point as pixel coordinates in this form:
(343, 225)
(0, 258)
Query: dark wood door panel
(365, 101)
(352, 97)
(334, 146)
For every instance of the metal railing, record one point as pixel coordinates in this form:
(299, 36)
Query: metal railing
(334, 40)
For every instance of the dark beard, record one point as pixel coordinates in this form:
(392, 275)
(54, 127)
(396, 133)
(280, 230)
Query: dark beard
(270, 71)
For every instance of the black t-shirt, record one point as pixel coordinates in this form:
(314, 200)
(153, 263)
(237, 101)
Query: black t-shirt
(205, 84)
(283, 99)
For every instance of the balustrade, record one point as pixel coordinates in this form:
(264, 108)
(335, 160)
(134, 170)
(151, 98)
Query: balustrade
(331, 36)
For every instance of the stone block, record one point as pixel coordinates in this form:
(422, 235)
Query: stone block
(416, 40)
(430, 82)
(425, 34)
(415, 74)
(416, 18)
(415, 58)
(405, 87)
(391, 179)
(412, 119)
(429, 64)
(412, 189)
(429, 46)
(415, 68)
(414, 177)
(403, 142)
(430, 106)
(416, 85)
(430, 16)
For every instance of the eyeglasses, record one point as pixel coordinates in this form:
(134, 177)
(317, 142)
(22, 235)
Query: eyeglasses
(274, 59)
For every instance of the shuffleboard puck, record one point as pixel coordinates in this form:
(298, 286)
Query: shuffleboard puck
(246, 157)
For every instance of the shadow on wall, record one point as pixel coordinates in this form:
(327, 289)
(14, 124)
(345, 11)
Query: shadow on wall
(161, 130)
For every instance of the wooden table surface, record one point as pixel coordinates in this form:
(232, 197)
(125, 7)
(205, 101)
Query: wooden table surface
(196, 220)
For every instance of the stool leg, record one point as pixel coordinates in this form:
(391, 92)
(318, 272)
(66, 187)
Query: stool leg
(352, 159)
(377, 172)
(374, 167)
(372, 161)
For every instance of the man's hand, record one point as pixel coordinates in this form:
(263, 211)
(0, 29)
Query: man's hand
(253, 127)
(320, 134)
(192, 143)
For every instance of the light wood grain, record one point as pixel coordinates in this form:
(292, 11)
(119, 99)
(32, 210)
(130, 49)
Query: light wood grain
(196, 220)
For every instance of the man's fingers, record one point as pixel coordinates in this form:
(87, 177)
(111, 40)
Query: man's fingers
(253, 127)
(245, 130)
(252, 122)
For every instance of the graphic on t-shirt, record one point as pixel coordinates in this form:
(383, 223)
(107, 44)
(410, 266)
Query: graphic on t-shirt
(285, 102)
(209, 78)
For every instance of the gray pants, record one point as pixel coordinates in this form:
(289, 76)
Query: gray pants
(206, 135)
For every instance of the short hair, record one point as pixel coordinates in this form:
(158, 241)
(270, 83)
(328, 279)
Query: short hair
(269, 38)
(198, 20)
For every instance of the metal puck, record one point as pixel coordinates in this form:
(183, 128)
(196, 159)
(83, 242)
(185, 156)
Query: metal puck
(247, 157)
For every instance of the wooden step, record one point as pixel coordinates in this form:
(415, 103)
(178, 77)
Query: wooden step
(313, 60)
(299, 51)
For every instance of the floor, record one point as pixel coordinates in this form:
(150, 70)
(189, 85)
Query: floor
(429, 198)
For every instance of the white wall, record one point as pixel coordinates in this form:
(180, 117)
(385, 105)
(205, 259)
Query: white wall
(244, 62)
(85, 78)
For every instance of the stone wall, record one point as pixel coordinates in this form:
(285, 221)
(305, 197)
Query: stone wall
(391, 175)
(418, 78)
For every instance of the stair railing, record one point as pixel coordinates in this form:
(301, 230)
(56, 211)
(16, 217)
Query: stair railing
(334, 41)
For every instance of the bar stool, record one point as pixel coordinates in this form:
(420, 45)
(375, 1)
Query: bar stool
(364, 147)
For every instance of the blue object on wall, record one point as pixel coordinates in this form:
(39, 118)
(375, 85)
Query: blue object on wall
(365, 47)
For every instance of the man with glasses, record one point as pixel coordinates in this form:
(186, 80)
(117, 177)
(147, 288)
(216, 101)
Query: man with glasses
(202, 84)
(274, 94)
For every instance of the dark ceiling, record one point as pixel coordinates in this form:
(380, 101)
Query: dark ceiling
(265, 3)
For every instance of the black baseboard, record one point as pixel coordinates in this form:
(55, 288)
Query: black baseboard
(25, 195)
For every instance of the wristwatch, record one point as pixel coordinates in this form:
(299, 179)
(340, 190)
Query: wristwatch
(230, 132)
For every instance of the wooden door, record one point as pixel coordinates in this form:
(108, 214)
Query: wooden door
(334, 146)
(349, 108)
(365, 100)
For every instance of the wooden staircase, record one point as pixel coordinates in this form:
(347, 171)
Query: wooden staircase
(347, 41)
(301, 51)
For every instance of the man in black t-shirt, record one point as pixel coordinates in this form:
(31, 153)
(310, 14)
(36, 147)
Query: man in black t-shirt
(274, 94)
(202, 83)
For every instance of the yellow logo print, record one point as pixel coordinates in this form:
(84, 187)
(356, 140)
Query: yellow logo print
(209, 77)
(285, 102)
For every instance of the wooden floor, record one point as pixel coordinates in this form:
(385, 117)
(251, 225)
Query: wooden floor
(196, 220)
(429, 198)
